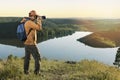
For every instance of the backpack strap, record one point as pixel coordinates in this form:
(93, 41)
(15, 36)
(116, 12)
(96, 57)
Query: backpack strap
(29, 31)
(24, 24)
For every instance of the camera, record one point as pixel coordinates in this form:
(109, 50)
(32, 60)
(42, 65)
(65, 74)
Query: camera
(41, 17)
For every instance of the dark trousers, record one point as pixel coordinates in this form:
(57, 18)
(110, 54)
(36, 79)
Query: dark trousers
(32, 49)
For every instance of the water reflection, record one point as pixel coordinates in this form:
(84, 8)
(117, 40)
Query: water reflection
(18, 43)
(11, 42)
(67, 48)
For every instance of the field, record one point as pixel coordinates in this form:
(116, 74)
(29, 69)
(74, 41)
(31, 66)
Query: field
(12, 69)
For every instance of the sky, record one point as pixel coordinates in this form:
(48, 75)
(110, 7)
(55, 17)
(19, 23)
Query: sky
(61, 8)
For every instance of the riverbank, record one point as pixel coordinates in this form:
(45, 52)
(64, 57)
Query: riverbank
(12, 69)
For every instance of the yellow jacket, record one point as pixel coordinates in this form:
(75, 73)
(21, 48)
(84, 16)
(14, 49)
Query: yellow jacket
(32, 36)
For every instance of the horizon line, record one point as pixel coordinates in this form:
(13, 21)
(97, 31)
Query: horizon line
(68, 17)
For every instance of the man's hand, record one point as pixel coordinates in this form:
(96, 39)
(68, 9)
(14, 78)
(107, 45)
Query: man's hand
(23, 20)
(38, 20)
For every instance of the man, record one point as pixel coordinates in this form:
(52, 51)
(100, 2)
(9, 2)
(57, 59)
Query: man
(32, 26)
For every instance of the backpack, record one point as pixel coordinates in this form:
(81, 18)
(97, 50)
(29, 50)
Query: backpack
(21, 33)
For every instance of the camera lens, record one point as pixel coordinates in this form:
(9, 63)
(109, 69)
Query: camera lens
(43, 17)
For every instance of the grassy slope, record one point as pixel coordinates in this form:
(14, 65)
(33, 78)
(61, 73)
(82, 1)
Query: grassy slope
(102, 39)
(106, 33)
(58, 70)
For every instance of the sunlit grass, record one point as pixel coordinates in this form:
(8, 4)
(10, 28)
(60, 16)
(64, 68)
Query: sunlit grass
(105, 41)
(12, 69)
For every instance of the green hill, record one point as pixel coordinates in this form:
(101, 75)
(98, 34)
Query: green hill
(8, 25)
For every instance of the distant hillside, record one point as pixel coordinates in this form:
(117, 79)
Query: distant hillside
(76, 24)
(9, 19)
(55, 27)
(8, 25)
(106, 33)
(93, 25)
(102, 39)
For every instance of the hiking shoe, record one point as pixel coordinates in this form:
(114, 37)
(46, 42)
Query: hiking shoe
(37, 72)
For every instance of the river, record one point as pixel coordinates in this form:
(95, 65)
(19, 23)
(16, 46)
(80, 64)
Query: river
(65, 48)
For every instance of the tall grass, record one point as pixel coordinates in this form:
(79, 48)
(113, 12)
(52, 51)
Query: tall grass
(12, 69)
